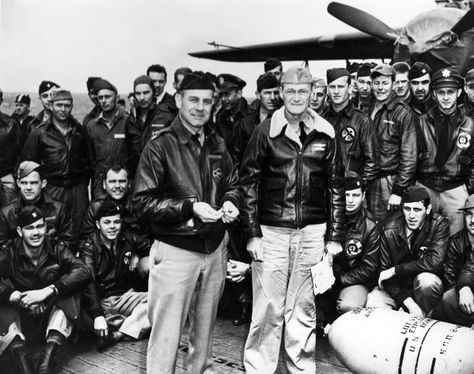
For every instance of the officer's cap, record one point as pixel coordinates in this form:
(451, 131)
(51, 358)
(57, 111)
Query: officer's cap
(228, 82)
(446, 77)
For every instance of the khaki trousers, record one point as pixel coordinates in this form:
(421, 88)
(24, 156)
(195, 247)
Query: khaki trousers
(283, 301)
(183, 284)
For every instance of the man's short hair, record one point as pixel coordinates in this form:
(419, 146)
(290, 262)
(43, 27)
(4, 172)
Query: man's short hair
(156, 68)
(181, 71)
(121, 101)
(401, 67)
(116, 168)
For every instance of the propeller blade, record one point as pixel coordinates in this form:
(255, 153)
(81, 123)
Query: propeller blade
(465, 23)
(362, 21)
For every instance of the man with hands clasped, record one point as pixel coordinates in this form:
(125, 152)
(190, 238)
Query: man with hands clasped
(185, 192)
(412, 251)
(39, 280)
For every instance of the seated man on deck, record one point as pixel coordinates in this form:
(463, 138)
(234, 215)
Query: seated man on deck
(38, 281)
(112, 256)
(457, 304)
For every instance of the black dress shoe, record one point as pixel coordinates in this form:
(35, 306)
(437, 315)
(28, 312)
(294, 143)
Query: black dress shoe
(243, 315)
(47, 359)
(21, 361)
(104, 342)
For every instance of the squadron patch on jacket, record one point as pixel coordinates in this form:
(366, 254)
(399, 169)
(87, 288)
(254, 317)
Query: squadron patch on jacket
(464, 140)
(348, 134)
(217, 173)
(353, 247)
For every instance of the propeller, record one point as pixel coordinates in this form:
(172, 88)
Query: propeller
(362, 21)
(465, 23)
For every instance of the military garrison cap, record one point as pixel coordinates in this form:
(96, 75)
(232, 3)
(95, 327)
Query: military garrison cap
(28, 215)
(23, 99)
(271, 64)
(470, 77)
(418, 70)
(108, 208)
(26, 168)
(267, 80)
(414, 194)
(61, 95)
(382, 69)
(336, 73)
(197, 80)
(353, 180)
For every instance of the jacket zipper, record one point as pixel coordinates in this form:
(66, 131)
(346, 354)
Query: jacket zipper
(298, 210)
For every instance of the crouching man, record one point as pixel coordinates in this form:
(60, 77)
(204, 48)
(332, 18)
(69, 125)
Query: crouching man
(457, 304)
(412, 251)
(39, 279)
(112, 257)
(356, 268)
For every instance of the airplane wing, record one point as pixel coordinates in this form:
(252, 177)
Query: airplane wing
(329, 47)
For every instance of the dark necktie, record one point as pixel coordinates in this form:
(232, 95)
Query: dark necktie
(302, 133)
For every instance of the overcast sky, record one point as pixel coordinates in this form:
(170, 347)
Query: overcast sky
(68, 40)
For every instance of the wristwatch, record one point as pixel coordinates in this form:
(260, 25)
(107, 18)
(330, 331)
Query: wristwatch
(55, 290)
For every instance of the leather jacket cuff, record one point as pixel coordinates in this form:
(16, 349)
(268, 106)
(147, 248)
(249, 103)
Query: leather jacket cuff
(187, 210)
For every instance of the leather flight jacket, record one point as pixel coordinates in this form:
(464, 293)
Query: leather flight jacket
(109, 267)
(459, 166)
(57, 219)
(359, 262)
(458, 256)
(10, 144)
(396, 131)
(175, 171)
(426, 255)
(57, 265)
(64, 163)
(139, 132)
(357, 139)
(286, 185)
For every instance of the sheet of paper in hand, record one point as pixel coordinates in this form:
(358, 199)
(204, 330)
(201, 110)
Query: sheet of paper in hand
(323, 276)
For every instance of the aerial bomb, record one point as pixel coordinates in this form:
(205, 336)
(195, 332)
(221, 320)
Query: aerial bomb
(382, 341)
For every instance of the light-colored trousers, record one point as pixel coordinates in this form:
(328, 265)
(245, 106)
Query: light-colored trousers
(283, 301)
(57, 321)
(127, 313)
(448, 203)
(183, 284)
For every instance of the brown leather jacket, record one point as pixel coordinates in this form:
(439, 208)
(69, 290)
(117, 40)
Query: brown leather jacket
(174, 172)
(357, 139)
(396, 131)
(427, 254)
(459, 166)
(286, 185)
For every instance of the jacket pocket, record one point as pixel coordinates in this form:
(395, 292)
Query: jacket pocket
(273, 193)
(317, 193)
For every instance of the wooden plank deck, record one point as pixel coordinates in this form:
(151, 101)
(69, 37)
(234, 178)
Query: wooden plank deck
(130, 357)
